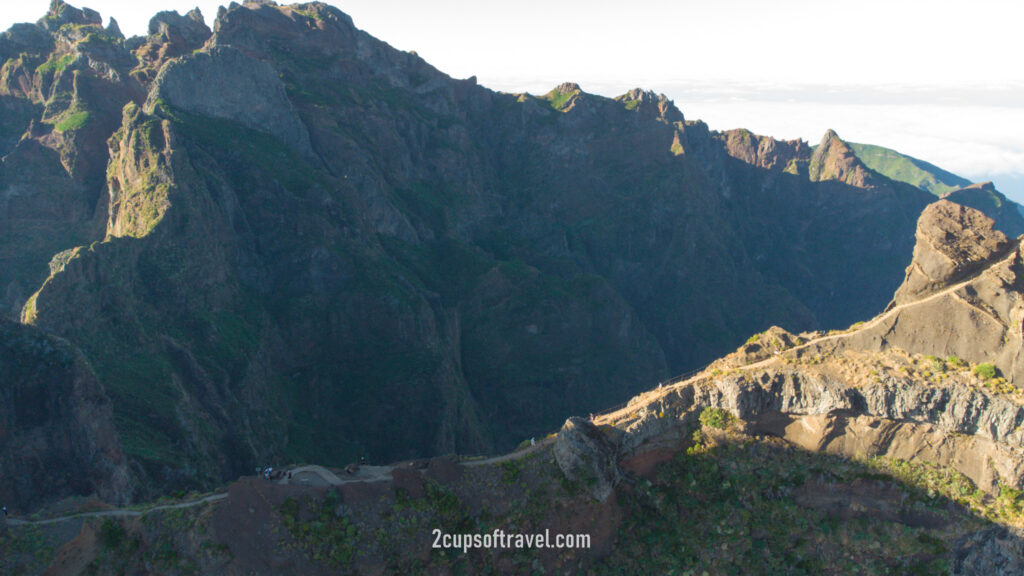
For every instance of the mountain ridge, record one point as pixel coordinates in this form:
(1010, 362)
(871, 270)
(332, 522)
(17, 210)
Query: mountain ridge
(443, 269)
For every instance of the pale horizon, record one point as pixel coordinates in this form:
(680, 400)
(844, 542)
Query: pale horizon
(938, 81)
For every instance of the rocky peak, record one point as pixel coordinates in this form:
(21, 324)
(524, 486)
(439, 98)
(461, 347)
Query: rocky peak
(643, 100)
(953, 242)
(61, 13)
(114, 30)
(28, 38)
(564, 96)
(190, 30)
(763, 151)
(833, 159)
(567, 88)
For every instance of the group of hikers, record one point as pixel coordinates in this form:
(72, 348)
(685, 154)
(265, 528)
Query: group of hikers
(270, 474)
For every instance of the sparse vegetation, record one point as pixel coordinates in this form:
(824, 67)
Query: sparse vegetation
(323, 534)
(985, 371)
(741, 506)
(55, 64)
(715, 418)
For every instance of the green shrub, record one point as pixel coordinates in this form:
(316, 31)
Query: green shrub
(985, 371)
(955, 361)
(111, 534)
(715, 418)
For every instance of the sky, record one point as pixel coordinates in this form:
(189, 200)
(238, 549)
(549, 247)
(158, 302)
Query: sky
(940, 80)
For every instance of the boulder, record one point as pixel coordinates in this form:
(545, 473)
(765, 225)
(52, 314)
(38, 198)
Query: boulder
(953, 242)
(588, 457)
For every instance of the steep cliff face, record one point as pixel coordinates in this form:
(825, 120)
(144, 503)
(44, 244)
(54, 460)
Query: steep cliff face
(57, 433)
(63, 83)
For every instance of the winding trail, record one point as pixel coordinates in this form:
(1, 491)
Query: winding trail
(121, 512)
(612, 415)
(511, 455)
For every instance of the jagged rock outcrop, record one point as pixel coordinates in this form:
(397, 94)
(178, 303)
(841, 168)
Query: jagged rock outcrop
(925, 420)
(953, 242)
(57, 434)
(61, 13)
(998, 550)
(963, 295)
(790, 156)
(650, 103)
(833, 159)
(586, 455)
(189, 31)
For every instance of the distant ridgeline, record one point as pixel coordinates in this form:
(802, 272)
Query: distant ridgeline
(283, 240)
(931, 178)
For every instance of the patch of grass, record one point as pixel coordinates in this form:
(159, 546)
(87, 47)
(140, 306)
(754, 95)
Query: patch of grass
(956, 362)
(54, 65)
(906, 169)
(74, 120)
(558, 99)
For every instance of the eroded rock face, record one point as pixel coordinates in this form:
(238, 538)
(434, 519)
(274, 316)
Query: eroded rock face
(897, 418)
(57, 436)
(587, 456)
(190, 30)
(953, 241)
(995, 551)
(833, 159)
(225, 83)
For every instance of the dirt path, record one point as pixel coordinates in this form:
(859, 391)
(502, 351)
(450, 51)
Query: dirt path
(318, 475)
(887, 315)
(121, 512)
(511, 455)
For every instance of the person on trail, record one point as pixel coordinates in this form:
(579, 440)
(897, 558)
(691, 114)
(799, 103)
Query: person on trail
(5, 512)
(362, 460)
